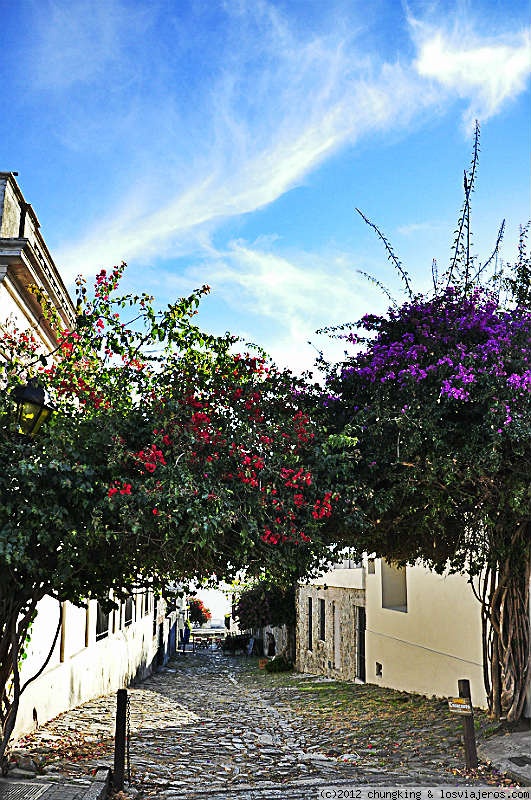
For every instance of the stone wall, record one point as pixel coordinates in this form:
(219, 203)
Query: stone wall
(11, 202)
(334, 645)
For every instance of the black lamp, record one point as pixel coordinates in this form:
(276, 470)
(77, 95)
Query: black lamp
(32, 410)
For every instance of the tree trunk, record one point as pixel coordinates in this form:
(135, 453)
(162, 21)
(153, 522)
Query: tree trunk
(15, 620)
(508, 613)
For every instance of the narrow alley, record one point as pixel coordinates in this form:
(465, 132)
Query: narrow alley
(211, 725)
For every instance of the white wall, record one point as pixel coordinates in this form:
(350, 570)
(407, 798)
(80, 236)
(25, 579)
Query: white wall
(76, 673)
(353, 578)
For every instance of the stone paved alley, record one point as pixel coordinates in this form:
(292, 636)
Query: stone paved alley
(211, 725)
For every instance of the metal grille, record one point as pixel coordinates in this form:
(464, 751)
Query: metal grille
(21, 791)
(520, 761)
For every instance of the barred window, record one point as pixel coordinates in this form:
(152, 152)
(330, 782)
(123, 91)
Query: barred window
(322, 620)
(102, 623)
(128, 614)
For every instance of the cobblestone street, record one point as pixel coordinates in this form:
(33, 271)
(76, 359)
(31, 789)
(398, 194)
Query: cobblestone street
(211, 725)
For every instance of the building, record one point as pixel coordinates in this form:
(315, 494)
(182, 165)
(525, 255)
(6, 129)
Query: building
(330, 636)
(25, 261)
(423, 631)
(94, 652)
(404, 628)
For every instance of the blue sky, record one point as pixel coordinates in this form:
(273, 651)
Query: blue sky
(229, 143)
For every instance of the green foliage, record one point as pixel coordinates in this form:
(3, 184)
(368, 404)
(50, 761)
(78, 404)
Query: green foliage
(169, 457)
(265, 604)
(166, 449)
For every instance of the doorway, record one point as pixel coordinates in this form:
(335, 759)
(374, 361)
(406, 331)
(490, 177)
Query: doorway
(361, 625)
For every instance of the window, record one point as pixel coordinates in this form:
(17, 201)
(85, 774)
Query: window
(394, 587)
(155, 615)
(87, 624)
(128, 613)
(63, 634)
(146, 603)
(102, 623)
(336, 632)
(310, 624)
(322, 620)
(348, 563)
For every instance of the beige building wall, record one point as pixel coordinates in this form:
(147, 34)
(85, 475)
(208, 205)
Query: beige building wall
(423, 631)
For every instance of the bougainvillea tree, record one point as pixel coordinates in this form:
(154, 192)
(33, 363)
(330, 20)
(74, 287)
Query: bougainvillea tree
(198, 613)
(430, 422)
(169, 457)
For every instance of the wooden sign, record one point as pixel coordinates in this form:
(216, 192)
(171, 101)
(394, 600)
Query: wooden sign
(460, 705)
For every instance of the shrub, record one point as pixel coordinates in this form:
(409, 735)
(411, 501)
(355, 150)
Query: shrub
(279, 664)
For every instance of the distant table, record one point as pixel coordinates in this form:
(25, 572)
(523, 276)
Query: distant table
(206, 640)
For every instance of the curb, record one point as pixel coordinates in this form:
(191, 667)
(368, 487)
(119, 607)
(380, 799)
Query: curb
(509, 753)
(99, 788)
(28, 789)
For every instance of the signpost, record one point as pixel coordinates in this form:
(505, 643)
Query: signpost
(463, 705)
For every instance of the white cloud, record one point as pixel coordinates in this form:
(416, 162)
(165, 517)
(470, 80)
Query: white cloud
(292, 295)
(413, 228)
(485, 72)
(250, 165)
(81, 41)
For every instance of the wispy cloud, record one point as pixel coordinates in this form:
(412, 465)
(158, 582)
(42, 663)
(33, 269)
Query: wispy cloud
(293, 294)
(264, 104)
(80, 42)
(248, 162)
(427, 226)
(487, 72)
